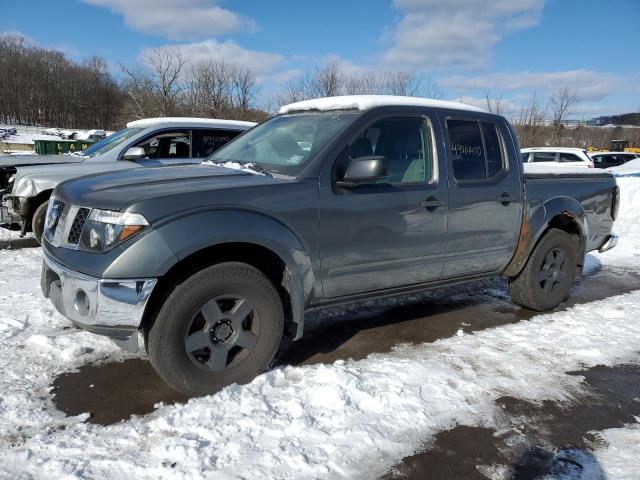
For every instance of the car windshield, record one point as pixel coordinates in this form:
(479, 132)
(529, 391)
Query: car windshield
(110, 142)
(285, 143)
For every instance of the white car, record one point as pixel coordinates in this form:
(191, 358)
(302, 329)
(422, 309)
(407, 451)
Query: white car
(558, 156)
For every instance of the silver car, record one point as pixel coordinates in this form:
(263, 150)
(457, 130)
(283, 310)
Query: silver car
(26, 182)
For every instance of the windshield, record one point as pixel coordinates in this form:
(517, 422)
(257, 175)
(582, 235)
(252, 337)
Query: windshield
(110, 142)
(285, 143)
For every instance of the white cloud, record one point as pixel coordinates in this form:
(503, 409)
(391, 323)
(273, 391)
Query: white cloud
(587, 84)
(260, 63)
(177, 19)
(432, 34)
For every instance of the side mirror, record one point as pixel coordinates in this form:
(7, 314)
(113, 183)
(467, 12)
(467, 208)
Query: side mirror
(134, 153)
(364, 170)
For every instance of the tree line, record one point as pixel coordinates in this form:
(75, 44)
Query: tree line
(39, 86)
(42, 87)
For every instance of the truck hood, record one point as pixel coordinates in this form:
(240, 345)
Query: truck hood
(24, 160)
(117, 190)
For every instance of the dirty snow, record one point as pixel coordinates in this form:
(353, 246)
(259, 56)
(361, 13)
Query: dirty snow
(350, 419)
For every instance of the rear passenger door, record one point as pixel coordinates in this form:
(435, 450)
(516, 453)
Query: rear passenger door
(485, 196)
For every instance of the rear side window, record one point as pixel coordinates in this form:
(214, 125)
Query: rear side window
(569, 157)
(205, 142)
(476, 150)
(544, 157)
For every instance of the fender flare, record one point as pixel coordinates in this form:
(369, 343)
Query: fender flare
(537, 219)
(188, 234)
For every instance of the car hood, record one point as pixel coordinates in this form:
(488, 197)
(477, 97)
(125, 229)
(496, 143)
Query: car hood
(33, 179)
(24, 160)
(117, 190)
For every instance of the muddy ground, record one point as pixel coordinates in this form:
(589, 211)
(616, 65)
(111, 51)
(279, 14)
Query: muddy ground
(546, 438)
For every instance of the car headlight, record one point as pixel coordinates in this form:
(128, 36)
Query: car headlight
(105, 229)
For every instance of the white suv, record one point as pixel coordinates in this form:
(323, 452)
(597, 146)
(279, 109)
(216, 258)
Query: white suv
(561, 157)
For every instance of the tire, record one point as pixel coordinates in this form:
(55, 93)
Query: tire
(222, 325)
(546, 279)
(37, 221)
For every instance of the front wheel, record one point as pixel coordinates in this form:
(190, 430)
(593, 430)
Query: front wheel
(222, 325)
(37, 221)
(546, 279)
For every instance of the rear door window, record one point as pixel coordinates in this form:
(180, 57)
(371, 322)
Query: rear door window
(544, 157)
(205, 142)
(476, 150)
(568, 157)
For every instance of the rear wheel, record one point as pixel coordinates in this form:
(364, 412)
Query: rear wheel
(222, 325)
(37, 221)
(546, 279)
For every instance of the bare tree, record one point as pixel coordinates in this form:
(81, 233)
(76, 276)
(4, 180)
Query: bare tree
(494, 103)
(561, 101)
(530, 122)
(155, 89)
(330, 80)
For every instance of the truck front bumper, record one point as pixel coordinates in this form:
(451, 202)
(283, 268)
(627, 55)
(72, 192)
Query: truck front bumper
(113, 308)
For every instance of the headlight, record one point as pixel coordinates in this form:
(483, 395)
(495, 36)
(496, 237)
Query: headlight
(105, 229)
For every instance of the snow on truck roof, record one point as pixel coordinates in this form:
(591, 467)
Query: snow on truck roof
(366, 102)
(209, 122)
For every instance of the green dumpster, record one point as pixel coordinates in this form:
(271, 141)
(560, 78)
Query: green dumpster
(58, 147)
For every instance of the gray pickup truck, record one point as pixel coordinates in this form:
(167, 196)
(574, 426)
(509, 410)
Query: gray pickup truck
(26, 181)
(339, 199)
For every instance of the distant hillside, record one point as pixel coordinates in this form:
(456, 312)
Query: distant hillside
(624, 119)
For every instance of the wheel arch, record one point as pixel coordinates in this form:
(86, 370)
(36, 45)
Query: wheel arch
(248, 237)
(562, 213)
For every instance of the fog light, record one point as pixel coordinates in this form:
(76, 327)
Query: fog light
(81, 303)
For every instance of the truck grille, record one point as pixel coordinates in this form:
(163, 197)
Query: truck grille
(78, 225)
(65, 229)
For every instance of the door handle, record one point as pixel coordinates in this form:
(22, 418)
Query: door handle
(431, 203)
(505, 198)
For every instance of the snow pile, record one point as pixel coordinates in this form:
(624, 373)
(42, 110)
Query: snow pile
(557, 169)
(621, 458)
(243, 167)
(366, 102)
(351, 419)
(630, 168)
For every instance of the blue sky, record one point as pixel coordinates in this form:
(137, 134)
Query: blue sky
(509, 48)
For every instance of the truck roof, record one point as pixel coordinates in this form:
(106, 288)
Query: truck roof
(189, 122)
(366, 102)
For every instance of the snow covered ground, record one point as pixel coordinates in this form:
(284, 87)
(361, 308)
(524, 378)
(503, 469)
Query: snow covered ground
(349, 419)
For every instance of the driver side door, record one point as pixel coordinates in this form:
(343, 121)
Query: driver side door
(391, 232)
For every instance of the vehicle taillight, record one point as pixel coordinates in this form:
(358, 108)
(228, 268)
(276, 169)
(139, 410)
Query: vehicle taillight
(615, 202)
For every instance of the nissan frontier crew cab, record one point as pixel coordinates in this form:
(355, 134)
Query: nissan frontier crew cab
(331, 201)
(26, 182)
